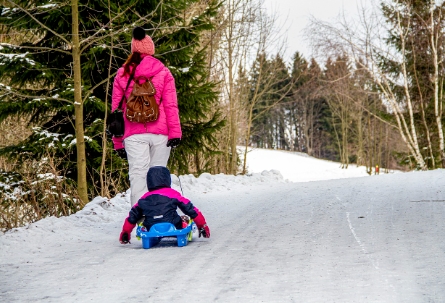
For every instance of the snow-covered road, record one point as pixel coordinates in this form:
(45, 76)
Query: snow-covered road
(369, 239)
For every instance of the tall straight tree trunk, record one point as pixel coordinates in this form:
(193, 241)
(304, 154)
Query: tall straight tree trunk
(233, 120)
(248, 130)
(344, 126)
(232, 155)
(78, 108)
(437, 109)
(310, 127)
(339, 142)
(379, 142)
(104, 192)
(360, 157)
(422, 111)
(412, 126)
(387, 149)
(370, 149)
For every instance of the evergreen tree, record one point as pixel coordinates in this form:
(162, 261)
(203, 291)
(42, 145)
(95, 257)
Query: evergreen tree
(260, 127)
(280, 95)
(37, 81)
(270, 86)
(309, 113)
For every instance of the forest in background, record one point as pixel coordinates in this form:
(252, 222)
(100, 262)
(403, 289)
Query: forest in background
(372, 94)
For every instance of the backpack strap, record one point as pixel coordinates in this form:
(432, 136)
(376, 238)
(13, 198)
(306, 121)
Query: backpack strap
(128, 84)
(151, 81)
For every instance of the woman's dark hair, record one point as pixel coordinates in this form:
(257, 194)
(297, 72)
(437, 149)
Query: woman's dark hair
(132, 62)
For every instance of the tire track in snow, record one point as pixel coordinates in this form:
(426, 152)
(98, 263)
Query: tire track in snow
(365, 252)
(360, 243)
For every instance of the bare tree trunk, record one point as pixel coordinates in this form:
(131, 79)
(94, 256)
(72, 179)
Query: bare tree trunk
(345, 139)
(102, 174)
(422, 110)
(232, 115)
(237, 24)
(387, 149)
(379, 142)
(78, 108)
(408, 97)
(249, 127)
(370, 147)
(360, 156)
(437, 110)
(337, 137)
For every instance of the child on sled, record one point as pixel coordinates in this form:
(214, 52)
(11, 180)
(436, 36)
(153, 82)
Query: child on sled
(159, 204)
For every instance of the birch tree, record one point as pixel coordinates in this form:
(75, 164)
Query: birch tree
(387, 48)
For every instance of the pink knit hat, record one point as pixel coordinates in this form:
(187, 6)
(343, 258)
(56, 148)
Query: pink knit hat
(141, 42)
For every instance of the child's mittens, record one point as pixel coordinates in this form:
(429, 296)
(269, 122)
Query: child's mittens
(125, 235)
(124, 238)
(203, 229)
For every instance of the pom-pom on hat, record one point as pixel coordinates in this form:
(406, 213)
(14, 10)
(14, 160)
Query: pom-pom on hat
(141, 42)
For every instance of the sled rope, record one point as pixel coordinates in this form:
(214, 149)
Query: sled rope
(180, 185)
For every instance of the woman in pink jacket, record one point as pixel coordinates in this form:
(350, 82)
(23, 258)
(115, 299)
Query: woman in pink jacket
(146, 144)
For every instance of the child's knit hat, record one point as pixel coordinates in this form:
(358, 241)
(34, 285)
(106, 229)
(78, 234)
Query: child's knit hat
(141, 42)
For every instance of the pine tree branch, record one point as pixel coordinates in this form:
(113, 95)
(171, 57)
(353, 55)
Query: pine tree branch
(40, 23)
(94, 39)
(25, 96)
(48, 49)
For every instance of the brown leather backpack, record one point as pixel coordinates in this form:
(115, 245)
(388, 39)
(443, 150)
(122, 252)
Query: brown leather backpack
(141, 105)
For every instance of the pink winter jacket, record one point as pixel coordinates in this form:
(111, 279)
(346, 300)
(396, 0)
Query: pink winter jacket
(168, 120)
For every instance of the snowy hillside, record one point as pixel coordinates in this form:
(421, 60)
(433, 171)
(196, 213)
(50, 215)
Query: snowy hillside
(368, 239)
(299, 167)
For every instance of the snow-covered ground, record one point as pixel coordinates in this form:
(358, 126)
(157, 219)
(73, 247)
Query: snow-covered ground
(368, 239)
(299, 167)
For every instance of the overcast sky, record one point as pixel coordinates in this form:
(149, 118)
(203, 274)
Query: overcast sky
(294, 16)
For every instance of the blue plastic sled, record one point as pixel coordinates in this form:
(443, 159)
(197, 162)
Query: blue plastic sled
(160, 230)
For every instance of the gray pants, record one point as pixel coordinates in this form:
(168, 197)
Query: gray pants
(144, 151)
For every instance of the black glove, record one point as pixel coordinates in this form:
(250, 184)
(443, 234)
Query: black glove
(173, 142)
(122, 153)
